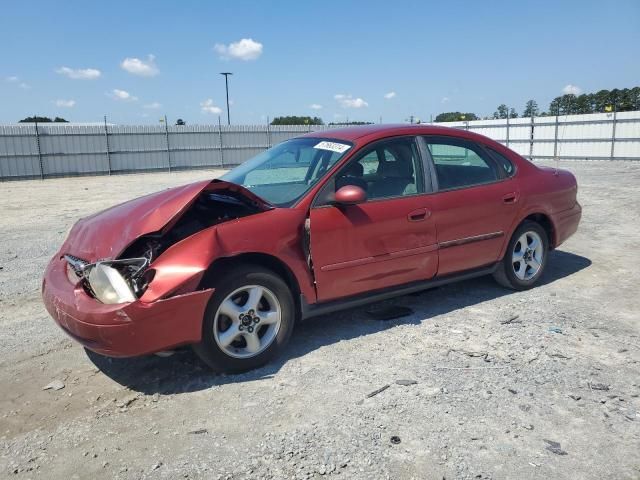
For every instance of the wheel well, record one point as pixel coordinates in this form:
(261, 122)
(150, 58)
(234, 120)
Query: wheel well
(545, 222)
(222, 265)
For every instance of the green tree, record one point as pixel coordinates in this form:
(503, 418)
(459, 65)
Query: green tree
(615, 97)
(624, 101)
(601, 100)
(568, 104)
(583, 104)
(554, 106)
(531, 109)
(501, 112)
(455, 117)
(635, 98)
(39, 119)
(513, 113)
(180, 122)
(36, 118)
(296, 120)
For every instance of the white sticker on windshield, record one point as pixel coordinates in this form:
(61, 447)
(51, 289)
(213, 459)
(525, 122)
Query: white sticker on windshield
(333, 146)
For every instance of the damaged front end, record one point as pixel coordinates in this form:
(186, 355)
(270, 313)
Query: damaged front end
(127, 277)
(111, 282)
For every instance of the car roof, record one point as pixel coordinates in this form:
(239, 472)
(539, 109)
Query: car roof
(376, 131)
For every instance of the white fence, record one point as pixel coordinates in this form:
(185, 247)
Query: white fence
(598, 136)
(48, 150)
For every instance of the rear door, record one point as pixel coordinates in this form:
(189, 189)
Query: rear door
(474, 206)
(388, 240)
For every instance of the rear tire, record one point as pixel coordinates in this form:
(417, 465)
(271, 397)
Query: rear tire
(525, 258)
(248, 320)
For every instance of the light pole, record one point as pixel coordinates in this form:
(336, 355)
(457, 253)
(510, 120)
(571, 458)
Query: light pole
(226, 83)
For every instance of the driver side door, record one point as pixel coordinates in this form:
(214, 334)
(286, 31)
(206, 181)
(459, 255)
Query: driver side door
(388, 240)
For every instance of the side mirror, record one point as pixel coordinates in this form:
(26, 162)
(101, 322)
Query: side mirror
(350, 195)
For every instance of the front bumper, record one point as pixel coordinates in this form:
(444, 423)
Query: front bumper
(122, 330)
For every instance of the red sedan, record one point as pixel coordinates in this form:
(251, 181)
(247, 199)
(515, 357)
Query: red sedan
(315, 224)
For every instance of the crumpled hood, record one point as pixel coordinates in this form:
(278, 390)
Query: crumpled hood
(104, 235)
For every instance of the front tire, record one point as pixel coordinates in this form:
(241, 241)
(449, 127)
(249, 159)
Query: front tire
(525, 259)
(248, 321)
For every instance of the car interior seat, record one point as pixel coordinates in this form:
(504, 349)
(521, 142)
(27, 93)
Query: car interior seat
(352, 175)
(397, 175)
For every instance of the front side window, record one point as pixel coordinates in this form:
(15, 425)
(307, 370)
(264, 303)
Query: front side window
(284, 173)
(460, 164)
(387, 169)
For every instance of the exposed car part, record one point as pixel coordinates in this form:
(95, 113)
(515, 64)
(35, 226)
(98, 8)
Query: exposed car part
(109, 234)
(127, 278)
(208, 209)
(110, 282)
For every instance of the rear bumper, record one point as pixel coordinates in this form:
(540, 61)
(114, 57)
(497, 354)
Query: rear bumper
(123, 330)
(566, 223)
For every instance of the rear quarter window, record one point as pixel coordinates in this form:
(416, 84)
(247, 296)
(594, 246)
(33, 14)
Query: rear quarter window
(506, 164)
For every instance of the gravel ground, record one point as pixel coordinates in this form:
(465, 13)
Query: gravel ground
(481, 382)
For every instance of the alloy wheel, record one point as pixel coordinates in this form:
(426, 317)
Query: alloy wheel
(247, 321)
(527, 255)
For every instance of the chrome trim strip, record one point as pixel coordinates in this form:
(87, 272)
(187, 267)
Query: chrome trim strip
(463, 241)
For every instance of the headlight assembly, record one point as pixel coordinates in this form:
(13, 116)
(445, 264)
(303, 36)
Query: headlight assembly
(108, 285)
(115, 281)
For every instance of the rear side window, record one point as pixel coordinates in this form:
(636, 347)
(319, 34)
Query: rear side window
(504, 162)
(460, 163)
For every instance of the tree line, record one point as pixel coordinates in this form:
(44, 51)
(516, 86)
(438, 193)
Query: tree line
(621, 100)
(38, 119)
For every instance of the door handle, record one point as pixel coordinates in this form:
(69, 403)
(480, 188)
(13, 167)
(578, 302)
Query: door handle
(510, 198)
(419, 215)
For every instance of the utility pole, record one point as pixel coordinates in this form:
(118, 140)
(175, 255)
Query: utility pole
(226, 83)
(106, 141)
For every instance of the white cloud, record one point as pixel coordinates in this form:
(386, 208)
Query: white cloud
(153, 105)
(64, 103)
(209, 107)
(347, 101)
(14, 79)
(117, 94)
(139, 67)
(315, 106)
(571, 90)
(390, 95)
(245, 49)
(445, 100)
(80, 73)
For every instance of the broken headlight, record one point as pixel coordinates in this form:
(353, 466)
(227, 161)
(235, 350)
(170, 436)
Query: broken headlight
(115, 281)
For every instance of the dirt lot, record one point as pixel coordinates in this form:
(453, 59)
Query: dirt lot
(493, 393)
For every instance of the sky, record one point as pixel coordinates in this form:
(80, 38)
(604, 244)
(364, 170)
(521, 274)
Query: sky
(137, 61)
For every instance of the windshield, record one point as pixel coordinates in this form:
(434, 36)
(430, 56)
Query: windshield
(284, 173)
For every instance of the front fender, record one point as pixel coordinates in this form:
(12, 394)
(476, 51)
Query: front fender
(180, 268)
(277, 233)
